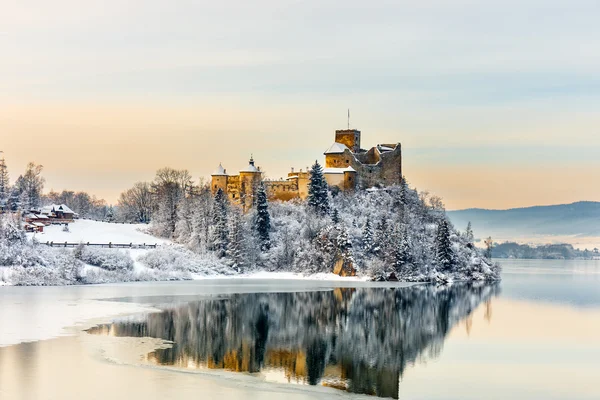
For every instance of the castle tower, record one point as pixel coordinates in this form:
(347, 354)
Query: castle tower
(350, 138)
(219, 180)
(249, 180)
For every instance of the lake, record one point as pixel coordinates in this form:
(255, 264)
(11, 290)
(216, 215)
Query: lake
(535, 335)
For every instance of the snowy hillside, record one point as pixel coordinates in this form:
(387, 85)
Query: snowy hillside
(98, 232)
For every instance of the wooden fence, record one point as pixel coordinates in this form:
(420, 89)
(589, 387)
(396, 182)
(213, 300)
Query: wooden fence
(108, 245)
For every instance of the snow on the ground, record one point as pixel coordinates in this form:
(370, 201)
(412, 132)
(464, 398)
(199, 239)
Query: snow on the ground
(84, 230)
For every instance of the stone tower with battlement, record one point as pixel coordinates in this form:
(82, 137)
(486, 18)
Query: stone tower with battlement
(379, 166)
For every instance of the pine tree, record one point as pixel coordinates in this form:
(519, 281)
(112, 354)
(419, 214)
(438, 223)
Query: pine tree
(402, 256)
(382, 239)
(469, 233)
(236, 242)
(445, 256)
(343, 242)
(14, 199)
(367, 238)
(110, 214)
(262, 222)
(344, 245)
(4, 184)
(335, 216)
(318, 193)
(31, 186)
(219, 233)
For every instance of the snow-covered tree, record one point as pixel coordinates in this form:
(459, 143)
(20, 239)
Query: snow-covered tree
(335, 216)
(31, 186)
(469, 233)
(4, 184)
(262, 219)
(135, 204)
(367, 238)
(219, 234)
(11, 231)
(344, 245)
(402, 255)
(110, 214)
(382, 237)
(445, 255)
(236, 241)
(169, 188)
(318, 192)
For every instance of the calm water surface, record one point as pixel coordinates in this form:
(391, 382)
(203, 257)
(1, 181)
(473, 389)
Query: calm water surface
(535, 335)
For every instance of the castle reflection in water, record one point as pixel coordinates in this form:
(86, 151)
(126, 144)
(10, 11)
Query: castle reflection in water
(359, 340)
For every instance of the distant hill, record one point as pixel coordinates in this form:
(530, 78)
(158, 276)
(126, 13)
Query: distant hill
(580, 219)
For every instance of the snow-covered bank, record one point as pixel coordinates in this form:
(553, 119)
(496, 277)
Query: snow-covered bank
(388, 235)
(291, 276)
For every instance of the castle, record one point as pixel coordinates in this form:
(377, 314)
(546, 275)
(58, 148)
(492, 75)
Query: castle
(347, 167)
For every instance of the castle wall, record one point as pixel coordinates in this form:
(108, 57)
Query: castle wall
(219, 182)
(370, 157)
(281, 190)
(372, 168)
(349, 180)
(303, 187)
(342, 160)
(386, 172)
(335, 180)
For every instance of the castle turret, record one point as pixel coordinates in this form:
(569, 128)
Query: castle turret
(219, 179)
(249, 180)
(350, 138)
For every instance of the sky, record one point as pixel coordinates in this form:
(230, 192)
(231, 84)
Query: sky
(496, 103)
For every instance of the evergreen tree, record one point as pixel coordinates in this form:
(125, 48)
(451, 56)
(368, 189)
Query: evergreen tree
(445, 256)
(318, 199)
(110, 214)
(367, 238)
(469, 233)
(31, 186)
(236, 251)
(335, 216)
(14, 200)
(262, 222)
(402, 256)
(219, 234)
(343, 243)
(382, 238)
(4, 184)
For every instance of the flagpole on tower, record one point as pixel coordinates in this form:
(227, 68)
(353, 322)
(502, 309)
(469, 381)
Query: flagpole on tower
(348, 119)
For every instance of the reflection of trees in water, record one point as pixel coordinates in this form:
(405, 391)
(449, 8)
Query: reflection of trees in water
(360, 340)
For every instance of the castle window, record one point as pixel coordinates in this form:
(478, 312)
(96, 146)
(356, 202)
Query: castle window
(215, 186)
(233, 196)
(347, 161)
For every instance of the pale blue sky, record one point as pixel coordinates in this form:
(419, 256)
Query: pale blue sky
(471, 85)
